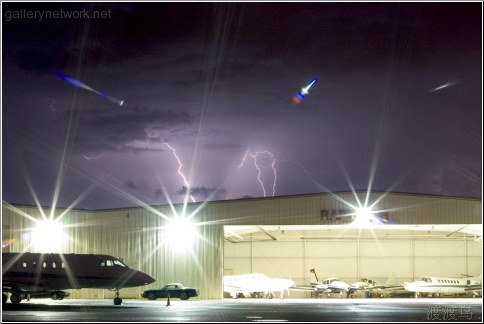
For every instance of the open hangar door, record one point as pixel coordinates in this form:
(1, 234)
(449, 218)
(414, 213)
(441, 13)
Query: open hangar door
(402, 253)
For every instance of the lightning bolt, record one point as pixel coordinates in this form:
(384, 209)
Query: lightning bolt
(180, 166)
(259, 171)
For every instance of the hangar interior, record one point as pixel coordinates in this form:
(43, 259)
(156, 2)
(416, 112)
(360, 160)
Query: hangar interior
(281, 237)
(400, 253)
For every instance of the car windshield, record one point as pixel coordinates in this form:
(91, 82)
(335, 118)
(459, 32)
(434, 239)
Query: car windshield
(173, 286)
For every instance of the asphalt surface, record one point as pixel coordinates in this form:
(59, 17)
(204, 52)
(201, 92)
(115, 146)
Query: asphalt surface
(247, 310)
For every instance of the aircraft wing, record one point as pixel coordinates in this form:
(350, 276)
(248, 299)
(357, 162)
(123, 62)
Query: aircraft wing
(303, 288)
(319, 288)
(15, 286)
(232, 287)
(393, 291)
(473, 288)
(31, 291)
(383, 287)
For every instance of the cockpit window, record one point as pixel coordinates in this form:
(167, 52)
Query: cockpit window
(119, 263)
(112, 263)
(426, 279)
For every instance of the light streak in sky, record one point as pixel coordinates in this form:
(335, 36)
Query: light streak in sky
(180, 166)
(79, 84)
(443, 86)
(258, 167)
(94, 157)
(304, 91)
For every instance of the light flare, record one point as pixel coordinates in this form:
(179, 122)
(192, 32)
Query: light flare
(180, 234)
(84, 86)
(47, 237)
(304, 91)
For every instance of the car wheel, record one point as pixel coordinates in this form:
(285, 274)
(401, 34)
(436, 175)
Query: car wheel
(151, 296)
(15, 298)
(183, 296)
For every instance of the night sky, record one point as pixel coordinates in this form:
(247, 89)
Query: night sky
(397, 105)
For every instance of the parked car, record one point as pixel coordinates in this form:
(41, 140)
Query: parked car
(176, 290)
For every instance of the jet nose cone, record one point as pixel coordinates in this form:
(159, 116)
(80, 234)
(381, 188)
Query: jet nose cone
(409, 286)
(146, 279)
(138, 278)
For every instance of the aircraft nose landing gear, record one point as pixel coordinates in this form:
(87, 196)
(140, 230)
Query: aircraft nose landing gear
(117, 299)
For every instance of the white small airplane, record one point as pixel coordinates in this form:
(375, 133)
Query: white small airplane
(383, 290)
(366, 283)
(446, 286)
(255, 285)
(332, 285)
(329, 285)
(27, 275)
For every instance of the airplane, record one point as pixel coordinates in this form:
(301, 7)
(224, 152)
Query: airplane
(388, 289)
(446, 286)
(330, 285)
(255, 285)
(28, 274)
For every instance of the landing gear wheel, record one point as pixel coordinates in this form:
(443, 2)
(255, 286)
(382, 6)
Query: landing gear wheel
(117, 300)
(15, 298)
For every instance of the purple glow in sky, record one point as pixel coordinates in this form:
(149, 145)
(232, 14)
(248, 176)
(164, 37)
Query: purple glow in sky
(215, 80)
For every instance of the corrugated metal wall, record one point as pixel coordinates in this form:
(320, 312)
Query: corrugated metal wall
(136, 234)
(297, 210)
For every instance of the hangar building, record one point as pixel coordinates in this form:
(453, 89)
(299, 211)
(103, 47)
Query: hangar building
(411, 235)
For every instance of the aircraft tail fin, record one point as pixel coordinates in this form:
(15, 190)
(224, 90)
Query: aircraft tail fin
(469, 276)
(391, 280)
(314, 271)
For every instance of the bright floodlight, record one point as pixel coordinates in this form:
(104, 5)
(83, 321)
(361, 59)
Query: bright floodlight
(364, 217)
(180, 234)
(47, 237)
